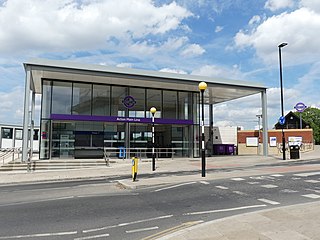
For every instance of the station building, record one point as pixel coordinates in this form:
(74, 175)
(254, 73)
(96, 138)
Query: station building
(86, 109)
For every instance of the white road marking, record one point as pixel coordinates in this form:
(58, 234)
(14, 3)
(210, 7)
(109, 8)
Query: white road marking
(288, 191)
(222, 187)
(277, 175)
(126, 224)
(225, 210)
(312, 181)
(268, 201)
(257, 178)
(307, 174)
(269, 186)
(314, 196)
(253, 183)
(313, 190)
(174, 186)
(240, 193)
(238, 179)
(204, 182)
(295, 178)
(93, 237)
(142, 229)
(40, 235)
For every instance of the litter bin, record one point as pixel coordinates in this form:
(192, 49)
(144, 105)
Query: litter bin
(294, 152)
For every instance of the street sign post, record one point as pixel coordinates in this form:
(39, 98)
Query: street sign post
(282, 120)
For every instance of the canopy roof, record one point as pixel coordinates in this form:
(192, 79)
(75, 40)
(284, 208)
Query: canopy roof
(218, 90)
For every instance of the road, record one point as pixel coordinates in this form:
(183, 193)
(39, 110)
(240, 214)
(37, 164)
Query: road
(102, 209)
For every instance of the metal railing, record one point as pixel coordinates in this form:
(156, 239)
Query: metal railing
(6, 153)
(141, 153)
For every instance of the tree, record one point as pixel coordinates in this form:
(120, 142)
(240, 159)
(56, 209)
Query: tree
(312, 117)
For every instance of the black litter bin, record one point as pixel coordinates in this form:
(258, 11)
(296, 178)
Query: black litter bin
(294, 152)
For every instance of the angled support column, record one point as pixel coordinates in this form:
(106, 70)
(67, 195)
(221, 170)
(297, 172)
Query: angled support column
(33, 99)
(25, 140)
(264, 122)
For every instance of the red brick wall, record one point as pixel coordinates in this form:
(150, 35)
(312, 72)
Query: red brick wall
(306, 134)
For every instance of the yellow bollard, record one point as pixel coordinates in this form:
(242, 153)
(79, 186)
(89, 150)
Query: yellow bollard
(134, 168)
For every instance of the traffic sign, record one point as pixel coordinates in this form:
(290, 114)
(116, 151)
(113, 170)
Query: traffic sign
(300, 107)
(282, 120)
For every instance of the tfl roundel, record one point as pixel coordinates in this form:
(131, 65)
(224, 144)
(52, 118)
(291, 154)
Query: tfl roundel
(300, 107)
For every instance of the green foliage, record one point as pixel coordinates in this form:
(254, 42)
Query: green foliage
(312, 117)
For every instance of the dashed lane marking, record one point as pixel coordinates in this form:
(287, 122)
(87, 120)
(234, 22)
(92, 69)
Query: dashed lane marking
(240, 193)
(225, 210)
(128, 223)
(308, 174)
(268, 201)
(174, 186)
(313, 196)
(222, 187)
(204, 182)
(253, 183)
(237, 179)
(142, 229)
(269, 186)
(40, 235)
(277, 175)
(93, 237)
(288, 191)
(312, 181)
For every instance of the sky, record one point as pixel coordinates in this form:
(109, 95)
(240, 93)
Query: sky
(232, 39)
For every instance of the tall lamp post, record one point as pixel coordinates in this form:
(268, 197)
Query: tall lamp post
(282, 110)
(153, 110)
(202, 88)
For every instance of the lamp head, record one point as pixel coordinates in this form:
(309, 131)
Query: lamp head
(153, 110)
(202, 86)
(282, 45)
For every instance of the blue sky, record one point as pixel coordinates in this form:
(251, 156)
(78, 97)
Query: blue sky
(233, 39)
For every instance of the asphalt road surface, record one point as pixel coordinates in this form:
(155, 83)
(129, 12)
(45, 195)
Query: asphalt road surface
(104, 210)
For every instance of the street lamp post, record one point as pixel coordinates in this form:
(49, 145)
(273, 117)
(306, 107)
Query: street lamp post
(153, 110)
(202, 88)
(282, 110)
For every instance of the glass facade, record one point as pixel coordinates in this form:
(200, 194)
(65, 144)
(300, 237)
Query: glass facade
(82, 133)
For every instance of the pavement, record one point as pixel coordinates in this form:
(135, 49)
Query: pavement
(292, 222)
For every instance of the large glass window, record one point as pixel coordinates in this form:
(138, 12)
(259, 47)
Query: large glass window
(138, 97)
(81, 99)
(46, 99)
(196, 108)
(185, 106)
(170, 104)
(118, 94)
(101, 100)
(7, 133)
(154, 99)
(61, 97)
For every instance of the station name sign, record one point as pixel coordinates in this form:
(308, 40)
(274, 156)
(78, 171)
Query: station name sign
(69, 117)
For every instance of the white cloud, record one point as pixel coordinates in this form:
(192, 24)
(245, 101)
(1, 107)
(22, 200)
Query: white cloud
(218, 29)
(170, 70)
(311, 4)
(275, 5)
(299, 28)
(219, 71)
(193, 50)
(69, 24)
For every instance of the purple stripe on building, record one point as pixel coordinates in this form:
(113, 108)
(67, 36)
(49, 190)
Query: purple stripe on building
(118, 119)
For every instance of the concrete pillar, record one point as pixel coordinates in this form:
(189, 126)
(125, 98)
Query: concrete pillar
(264, 122)
(25, 139)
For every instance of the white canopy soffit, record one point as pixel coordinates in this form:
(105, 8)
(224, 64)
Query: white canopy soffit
(219, 90)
